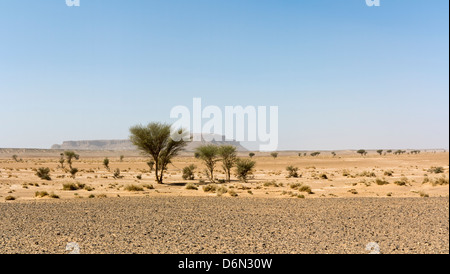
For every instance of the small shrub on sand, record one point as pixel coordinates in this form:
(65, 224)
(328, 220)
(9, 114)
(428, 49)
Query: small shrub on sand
(232, 193)
(10, 198)
(402, 182)
(306, 189)
(210, 188)
(149, 186)
(353, 191)
(381, 182)
(295, 185)
(188, 172)
(41, 194)
(436, 170)
(293, 171)
(389, 173)
(423, 194)
(191, 186)
(73, 186)
(271, 183)
(134, 188)
(53, 196)
(43, 173)
(440, 181)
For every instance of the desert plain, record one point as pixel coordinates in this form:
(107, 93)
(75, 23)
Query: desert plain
(336, 204)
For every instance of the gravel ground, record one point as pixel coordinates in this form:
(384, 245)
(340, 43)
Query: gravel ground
(226, 225)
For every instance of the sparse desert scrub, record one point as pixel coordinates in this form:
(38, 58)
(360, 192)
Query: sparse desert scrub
(271, 183)
(10, 198)
(402, 182)
(436, 170)
(191, 186)
(188, 172)
(314, 154)
(133, 188)
(147, 186)
(367, 174)
(41, 194)
(423, 194)
(353, 191)
(209, 188)
(209, 155)
(73, 171)
(381, 182)
(293, 171)
(274, 154)
(244, 168)
(43, 173)
(73, 186)
(232, 193)
(389, 173)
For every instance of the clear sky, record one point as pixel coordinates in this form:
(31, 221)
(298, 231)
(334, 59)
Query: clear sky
(344, 75)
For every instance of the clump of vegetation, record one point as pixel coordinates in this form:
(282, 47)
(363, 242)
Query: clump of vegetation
(41, 194)
(323, 176)
(380, 151)
(10, 198)
(314, 154)
(156, 140)
(139, 176)
(346, 173)
(73, 171)
(436, 170)
(221, 190)
(134, 188)
(53, 196)
(333, 153)
(363, 152)
(293, 171)
(106, 163)
(147, 186)
(209, 155)
(191, 186)
(295, 185)
(228, 154)
(116, 174)
(353, 191)
(244, 168)
(121, 158)
(367, 174)
(70, 156)
(210, 188)
(399, 152)
(73, 186)
(389, 173)
(188, 172)
(271, 183)
(423, 194)
(251, 154)
(232, 193)
(274, 154)
(381, 182)
(306, 189)
(402, 182)
(43, 173)
(437, 182)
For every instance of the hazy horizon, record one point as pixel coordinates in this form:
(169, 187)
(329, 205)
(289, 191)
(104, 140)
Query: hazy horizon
(343, 75)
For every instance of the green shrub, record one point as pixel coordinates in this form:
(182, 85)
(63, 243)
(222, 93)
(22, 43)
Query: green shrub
(306, 189)
(73, 186)
(43, 173)
(210, 188)
(244, 168)
(188, 172)
(10, 198)
(41, 194)
(389, 173)
(293, 171)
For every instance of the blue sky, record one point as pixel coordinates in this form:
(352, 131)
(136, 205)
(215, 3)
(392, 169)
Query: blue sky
(344, 75)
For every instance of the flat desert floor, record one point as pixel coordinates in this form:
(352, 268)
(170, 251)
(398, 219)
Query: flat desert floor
(336, 205)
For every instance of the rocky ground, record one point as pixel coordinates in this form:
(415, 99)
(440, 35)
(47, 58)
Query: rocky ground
(226, 225)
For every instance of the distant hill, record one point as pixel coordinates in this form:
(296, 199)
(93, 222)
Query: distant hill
(126, 145)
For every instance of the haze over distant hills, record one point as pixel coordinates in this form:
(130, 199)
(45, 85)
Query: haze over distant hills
(126, 145)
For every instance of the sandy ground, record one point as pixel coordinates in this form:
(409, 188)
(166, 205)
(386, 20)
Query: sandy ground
(226, 225)
(343, 212)
(346, 175)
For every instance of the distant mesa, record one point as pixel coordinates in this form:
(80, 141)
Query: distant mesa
(126, 145)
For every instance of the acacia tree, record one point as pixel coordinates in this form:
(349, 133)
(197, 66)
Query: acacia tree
(70, 155)
(155, 140)
(380, 151)
(209, 155)
(228, 154)
(244, 168)
(362, 152)
(274, 154)
(106, 163)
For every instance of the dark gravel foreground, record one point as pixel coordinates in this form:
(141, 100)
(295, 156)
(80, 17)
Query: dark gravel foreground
(226, 225)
